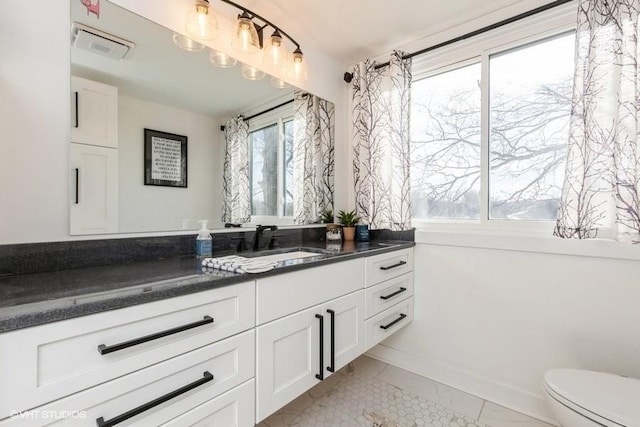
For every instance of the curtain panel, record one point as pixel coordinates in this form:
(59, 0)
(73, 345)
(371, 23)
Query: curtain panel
(600, 195)
(236, 195)
(313, 157)
(380, 102)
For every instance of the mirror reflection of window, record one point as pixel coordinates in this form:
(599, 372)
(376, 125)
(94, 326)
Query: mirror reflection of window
(264, 170)
(287, 184)
(271, 166)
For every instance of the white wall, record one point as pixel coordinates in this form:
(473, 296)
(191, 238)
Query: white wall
(34, 121)
(151, 208)
(492, 321)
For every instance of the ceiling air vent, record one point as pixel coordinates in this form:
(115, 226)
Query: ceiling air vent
(99, 42)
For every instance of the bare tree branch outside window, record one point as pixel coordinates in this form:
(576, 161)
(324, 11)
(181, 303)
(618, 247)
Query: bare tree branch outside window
(530, 98)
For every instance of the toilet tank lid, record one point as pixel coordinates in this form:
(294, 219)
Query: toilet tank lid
(610, 396)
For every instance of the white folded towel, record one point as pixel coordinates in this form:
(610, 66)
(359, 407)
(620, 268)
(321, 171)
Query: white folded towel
(238, 264)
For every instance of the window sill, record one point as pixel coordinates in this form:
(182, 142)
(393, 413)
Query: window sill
(528, 241)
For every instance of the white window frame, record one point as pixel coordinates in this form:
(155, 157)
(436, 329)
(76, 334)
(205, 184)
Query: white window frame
(276, 117)
(479, 49)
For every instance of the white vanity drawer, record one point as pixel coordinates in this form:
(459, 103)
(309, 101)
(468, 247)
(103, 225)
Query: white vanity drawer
(48, 362)
(386, 266)
(200, 375)
(234, 408)
(388, 322)
(281, 295)
(381, 296)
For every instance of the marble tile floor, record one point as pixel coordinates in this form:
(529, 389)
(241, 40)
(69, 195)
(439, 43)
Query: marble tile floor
(370, 393)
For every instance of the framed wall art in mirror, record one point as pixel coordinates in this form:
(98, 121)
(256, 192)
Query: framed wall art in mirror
(165, 159)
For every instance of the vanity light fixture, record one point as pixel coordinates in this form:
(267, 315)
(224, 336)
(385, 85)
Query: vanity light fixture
(252, 73)
(247, 39)
(201, 23)
(222, 60)
(185, 43)
(278, 83)
(297, 67)
(275, 52)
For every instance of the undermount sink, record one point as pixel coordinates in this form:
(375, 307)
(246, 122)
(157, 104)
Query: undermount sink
(286, 256)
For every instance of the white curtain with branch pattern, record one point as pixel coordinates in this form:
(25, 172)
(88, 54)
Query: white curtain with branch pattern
(236, 203)
(381, 101)
(601, 189)
(313, 157)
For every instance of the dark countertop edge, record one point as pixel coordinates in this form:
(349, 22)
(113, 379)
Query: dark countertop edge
(35, 318)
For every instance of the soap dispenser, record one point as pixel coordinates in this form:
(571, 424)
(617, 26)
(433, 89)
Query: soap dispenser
(204, 241)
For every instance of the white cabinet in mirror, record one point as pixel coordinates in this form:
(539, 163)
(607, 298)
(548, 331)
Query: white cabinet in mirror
(158, 86)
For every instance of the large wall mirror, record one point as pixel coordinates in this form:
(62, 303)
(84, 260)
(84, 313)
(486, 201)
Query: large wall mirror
(164, 88)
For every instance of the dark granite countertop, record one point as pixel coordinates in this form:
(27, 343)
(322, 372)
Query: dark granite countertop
(33, 299)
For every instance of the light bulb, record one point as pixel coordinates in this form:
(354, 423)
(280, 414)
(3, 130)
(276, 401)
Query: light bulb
(184, 42)
(275, 53)
(246, 39)
(201, 24)
(297, 70)
(252, 73)
(222, 60)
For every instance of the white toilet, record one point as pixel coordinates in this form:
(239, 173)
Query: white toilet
(590, 399)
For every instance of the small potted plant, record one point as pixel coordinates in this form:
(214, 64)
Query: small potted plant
(349, 220)
(334, 231)
(326, 216)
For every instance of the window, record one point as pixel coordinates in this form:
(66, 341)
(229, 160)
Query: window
(530, 103)
(507, 164)
(271, 164)
(445, 145)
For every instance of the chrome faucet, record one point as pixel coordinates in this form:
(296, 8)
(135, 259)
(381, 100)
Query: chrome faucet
(259, 230)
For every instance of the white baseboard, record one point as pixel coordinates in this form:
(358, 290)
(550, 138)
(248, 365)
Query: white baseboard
(505, 395)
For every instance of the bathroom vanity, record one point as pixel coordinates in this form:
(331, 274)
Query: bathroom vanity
(200, 347)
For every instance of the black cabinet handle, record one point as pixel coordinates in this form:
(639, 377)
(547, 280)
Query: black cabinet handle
(207, 376)
(332, 368)
(388, 325)
(399, 291)
(320, 376)
(389, 267)
(77, 108)
(77, 185)
(104, 349)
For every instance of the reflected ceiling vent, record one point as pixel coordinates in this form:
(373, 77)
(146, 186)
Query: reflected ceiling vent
(99, 42)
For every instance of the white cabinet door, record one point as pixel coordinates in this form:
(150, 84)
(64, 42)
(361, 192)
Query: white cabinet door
(344, 337)
(94, 113)
(93, 189)
(287, 359)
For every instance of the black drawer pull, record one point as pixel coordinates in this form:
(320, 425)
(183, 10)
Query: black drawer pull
(332, 368)
(104, 349)
(320, 376)
(77, 186)
(389, 267)
(399, 291)
(388, 325)
(207, 376)
(77, 108)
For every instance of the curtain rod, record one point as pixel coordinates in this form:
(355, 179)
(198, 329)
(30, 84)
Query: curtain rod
(268, 110)
(349, 76)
